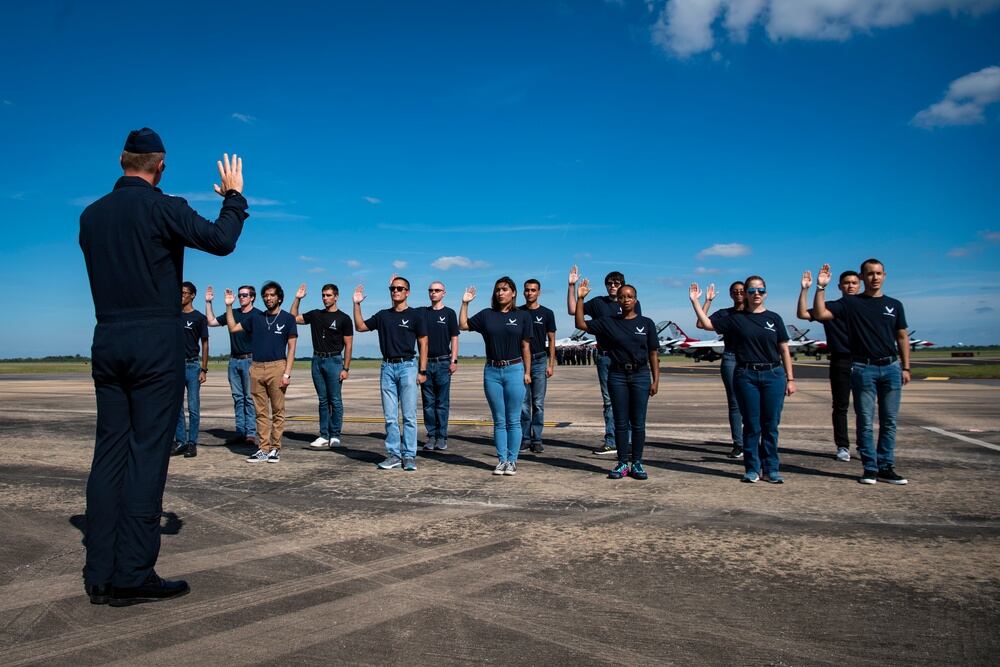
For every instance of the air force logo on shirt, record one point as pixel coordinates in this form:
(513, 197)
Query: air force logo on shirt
(512, 321)
(333, 325)
(441, 320)
(770, 326)
(405, 324)
(538, 319)
(640, 331)
(891, 312)
(187, 325)
(278, 328)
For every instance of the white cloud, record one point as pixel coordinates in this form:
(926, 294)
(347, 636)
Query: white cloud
(372, 200)
(965, 101)
(485, 229)
(451, 261)
(725, 250)
(399, 264)
(212, 196)
(685, 27)
(705, 271)
(277, 215)
(306, 258)
(316, 269)
(244, 118)
(8, 103)
(670, 281)
(353, 263)
(987, 237)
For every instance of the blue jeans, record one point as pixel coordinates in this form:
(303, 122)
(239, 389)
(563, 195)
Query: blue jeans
(630, 395)
(399, 392)
(326, 379)
(436, 395)
(884, 385)
(603, 363)
(761, 395)
(728, 368)
(239, 384)
(533, 409)
(504, 387)
(190, 436)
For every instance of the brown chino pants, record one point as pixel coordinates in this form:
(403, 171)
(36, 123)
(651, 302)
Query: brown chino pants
(266, 389)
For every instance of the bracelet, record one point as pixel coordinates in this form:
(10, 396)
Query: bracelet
(789, 380)
(346, 369)
(820, 288)
(907, 370)
(204, 370)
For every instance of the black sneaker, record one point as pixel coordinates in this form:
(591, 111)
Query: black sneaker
(537, 448)
(736, 453)
(606, 449)
(889, 475)
(154, 589)
(192, 450)
(870, 477)
(179, 448)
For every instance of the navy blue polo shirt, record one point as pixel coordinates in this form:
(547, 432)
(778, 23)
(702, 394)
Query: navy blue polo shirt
(502, 332)
(543, 321)
(755, 336)
(837, 339)
(397, 331)
(626, 341)
(716, 317)
(441, 325)
(872, 323)
(269, 334)
(328, 330)
(195, 330)
(239, 342)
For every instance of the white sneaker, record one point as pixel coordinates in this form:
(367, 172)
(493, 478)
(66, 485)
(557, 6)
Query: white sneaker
(843, 454)
(320, 443)
(501, 468)
(257, 457)
(511, 468)
(334, 442)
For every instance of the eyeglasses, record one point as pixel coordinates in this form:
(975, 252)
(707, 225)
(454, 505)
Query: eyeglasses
(613, 283)
(434, 289)
(756, 290)
(244, 295)
(397, 288)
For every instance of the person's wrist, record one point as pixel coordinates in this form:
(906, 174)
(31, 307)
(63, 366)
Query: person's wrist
(287, 376)
(820, 288)
(204, 370)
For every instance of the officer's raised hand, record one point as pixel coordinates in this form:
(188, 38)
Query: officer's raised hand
(230, 297)
(231, 174)
(359, 294)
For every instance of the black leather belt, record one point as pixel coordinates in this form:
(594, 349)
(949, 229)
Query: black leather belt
(759, 367)
(539, 355)
(242, 356)
(327, 355)
(502, 362)
(443, 357)
(190, 360)
(872, 361)
(396, 360)
(627, 368)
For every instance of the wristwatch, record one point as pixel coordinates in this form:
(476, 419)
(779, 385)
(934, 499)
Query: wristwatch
(204, 370)
(424, 372)
(231, 192)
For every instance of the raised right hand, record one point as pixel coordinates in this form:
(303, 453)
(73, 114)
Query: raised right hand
(823, 277)
(470, 294)
(230, 297)
(231, 174)
(209, 294)
(574, 275)
(807, 279)
(584, 289)
(694, 292)
(301, 292)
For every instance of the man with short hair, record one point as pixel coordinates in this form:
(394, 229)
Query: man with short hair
(195, 372)
(273, 336)
(876, 330)
(839, 348)
(602, 306)
(240, 357)
(543, 360)
(133, 242)
(399, 328)
(442, 362)
(333, 341)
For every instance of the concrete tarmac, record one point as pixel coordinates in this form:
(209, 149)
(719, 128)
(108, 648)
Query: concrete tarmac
(323, 559)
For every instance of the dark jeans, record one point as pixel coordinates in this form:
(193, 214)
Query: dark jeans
(728, 368)
(184, 434)
(239, 383)
(435, 393)
(761, 395)
(138, 371)
(629, 392)
(533, 410)
(880, 386)
(840, 388)
(603, 363)
(326, 379)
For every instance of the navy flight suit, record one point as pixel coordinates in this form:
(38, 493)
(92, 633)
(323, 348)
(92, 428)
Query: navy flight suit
(133, 241)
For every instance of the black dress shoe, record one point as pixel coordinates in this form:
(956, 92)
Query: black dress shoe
(154, 590)
(179, 448)
(99, 593)
(192, 450)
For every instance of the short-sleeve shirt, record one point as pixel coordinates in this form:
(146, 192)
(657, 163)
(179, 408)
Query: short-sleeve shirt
(502, 332)
(398, 331)
(606, 306)
(269, 334)
(239, 342)
(441, 325)
(872, 323)
(328, 329)
(627, 341)
(716, 317)
(837, 339)
(543, 322)
(755, 336)
(195, 330)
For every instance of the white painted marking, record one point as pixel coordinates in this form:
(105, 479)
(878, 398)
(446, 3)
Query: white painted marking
(963, 438)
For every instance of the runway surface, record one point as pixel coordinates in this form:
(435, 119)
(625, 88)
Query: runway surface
(323, 559)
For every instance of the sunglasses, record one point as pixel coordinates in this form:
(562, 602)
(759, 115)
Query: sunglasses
(756, 290)
(434, 289)
(397, 288)
(244, 295)
(615, 283)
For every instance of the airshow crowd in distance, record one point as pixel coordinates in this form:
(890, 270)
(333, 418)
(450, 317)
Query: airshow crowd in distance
(149, 350)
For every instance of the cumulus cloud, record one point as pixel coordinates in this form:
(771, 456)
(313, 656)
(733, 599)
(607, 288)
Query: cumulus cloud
(986, 238)
(686, 27)
(671, 281)
(372, 200)
(705, 270)
(399, 264)
(8, 103)
(964, 103)
(244, 118)
(353, 263)
(453, 261)
(306, 258)
(316, 269)
(725, 250)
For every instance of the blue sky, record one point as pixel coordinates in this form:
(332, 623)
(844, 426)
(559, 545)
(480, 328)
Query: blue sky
(675, 141)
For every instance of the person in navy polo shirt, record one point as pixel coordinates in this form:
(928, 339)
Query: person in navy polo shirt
(442, 362)
(507, 333)
(603, 306)
(543, 362)
(239, 362)
(273, 336)
(195, 372)
(399, 328)
(333, 341)
(631, 344)
(876, 330)
(727, 367)
(763, 374)
(839, 348)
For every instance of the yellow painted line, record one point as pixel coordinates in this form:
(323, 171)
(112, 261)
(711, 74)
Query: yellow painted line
(937, 379)
(379, 420)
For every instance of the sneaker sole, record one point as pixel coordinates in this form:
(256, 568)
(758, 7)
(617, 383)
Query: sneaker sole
(600, 452)
(747, 480)
(128, 602)
(773, 481)
(382, 467)
(862, 480)
(895, 482)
